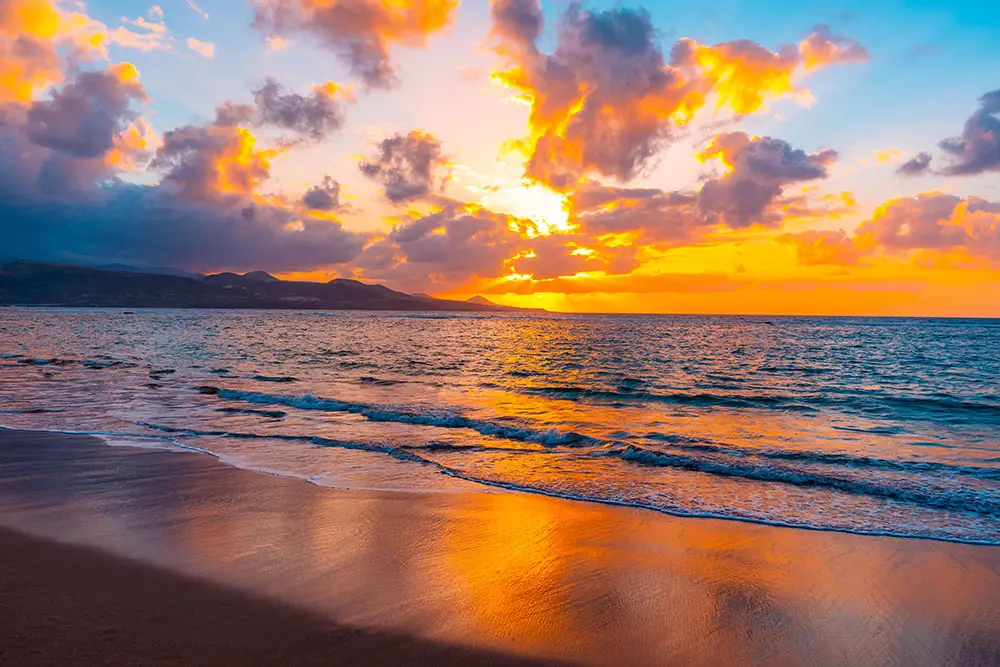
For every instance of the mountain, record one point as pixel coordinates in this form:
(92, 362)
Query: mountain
(162, 270)
(480, 301)
(39, 284)
(261, 277)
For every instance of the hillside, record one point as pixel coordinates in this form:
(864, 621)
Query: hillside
(39, 284)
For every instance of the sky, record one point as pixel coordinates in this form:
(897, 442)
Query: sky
(722, 157)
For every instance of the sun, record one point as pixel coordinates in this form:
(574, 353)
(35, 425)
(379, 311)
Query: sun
(531, 201)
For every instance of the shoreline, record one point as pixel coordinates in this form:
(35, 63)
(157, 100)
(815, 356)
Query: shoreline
(510, 574)
(487, 485)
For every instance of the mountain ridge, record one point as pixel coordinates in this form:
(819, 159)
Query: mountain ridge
(27, 283)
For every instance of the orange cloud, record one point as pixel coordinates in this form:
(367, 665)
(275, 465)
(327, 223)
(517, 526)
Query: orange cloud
(202, 163)
(133, 147)
(362, 31)
(924, 228)
(36, 34)
(819, 247)
(606, 100)
(204, 49)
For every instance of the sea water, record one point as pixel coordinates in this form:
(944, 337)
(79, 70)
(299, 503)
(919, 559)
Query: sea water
(882, 426)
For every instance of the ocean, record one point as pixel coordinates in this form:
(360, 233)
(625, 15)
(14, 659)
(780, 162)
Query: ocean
(865, 425)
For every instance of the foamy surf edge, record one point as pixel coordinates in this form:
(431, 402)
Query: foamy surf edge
(142, 441)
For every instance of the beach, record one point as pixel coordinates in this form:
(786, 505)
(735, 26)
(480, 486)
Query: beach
(159, 557)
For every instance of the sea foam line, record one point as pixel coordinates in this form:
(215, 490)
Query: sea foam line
(552, 437)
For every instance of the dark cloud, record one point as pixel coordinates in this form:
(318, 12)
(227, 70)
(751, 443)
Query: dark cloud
(407, 166)
(652, 215)
(148, 226)
(85, 116)
(314, 116)
(517, 21)
(361, 32)
(229, 114)
(759, 168)
(323, 197)
(56, 207)
(443, 250)
(978, 149)
(916, 166)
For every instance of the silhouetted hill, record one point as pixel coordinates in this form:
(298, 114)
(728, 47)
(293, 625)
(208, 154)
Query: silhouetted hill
(38, 284)
(261, 277)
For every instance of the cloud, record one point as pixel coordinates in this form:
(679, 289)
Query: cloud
(757, 169)
(445, 249)
(60, 158)
(916, 166)
(606, 100)
(197, 9)
(978, 149)
(57, 207)
(149, 36)
(276, 43)
(31, 34)
(650, 215)
(202, 216)
(815, 248)
(323, 197)
(312, 117)
(930, 223)
(822, 47)
(201, 163)
(518, 22)
(147, 226)
(407, 166)
(204, 49)
(631, 283)
(84, 117)
(361, 32)
(935, 221)
(888, 155)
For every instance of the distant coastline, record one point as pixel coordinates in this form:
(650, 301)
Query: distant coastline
(38, 284)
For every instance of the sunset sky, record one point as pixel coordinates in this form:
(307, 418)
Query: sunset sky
(721, 157)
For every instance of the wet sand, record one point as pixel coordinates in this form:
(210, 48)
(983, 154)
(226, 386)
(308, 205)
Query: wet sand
(188, 561)
(69, 605)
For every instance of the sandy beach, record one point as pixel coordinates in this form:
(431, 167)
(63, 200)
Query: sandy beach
(131, 556)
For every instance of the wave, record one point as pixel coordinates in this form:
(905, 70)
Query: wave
(702, 399)
(378, 382)
(280, 379)
(321, 441)
(551, 437)
(968, 500)
(827, 458)
(943, 408)
(411, 454)
(270, 414)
